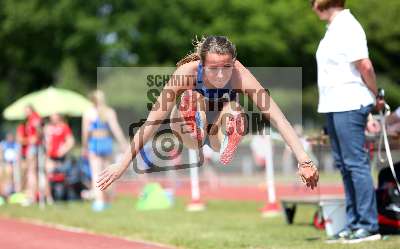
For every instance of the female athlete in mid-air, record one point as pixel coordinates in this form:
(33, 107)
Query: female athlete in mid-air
(208, 110)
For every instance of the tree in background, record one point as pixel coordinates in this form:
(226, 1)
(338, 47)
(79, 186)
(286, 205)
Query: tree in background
(45, 42)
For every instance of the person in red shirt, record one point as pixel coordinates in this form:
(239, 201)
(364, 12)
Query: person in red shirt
(33, 128)
(59, 141)
(22, 140)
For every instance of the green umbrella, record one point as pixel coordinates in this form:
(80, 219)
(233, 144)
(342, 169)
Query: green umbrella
(49, 101)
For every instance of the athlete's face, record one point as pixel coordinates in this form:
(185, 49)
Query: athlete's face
(218, 69)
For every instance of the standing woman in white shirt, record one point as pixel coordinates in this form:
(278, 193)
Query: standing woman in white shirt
(347, 94)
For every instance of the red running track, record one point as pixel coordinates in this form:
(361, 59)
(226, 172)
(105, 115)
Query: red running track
(23, 235)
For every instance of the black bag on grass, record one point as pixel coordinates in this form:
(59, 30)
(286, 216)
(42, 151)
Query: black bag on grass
(66, 181)
(388, 200)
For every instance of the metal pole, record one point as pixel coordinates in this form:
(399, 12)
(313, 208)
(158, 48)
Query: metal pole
(194, 176)
(41, 176)
(269, 170)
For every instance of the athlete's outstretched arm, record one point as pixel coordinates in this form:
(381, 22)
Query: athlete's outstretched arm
(161, 108)
(250, 86)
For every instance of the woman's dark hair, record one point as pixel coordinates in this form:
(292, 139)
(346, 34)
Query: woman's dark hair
(210, 44)
(326, 4)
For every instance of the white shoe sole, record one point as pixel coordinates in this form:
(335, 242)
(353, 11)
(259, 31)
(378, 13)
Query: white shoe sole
(374, 237)
(334, 241)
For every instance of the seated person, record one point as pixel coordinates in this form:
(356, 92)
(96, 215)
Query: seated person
(393, 122)
(59, 142)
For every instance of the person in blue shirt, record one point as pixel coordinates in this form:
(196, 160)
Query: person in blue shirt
(9, 156)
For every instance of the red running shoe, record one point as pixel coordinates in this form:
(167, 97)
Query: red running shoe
(188, 110)
(233, 136)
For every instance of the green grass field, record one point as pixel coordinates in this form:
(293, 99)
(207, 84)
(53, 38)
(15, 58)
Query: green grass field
(223, 225)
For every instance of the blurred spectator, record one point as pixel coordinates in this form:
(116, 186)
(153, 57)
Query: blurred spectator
(22, 140)
(33, 128)
(8, 157)
(392, 122)
(259, 150)
(59, 141)
(210, 156)
(288, 163)
(99, 123)
(209, 173)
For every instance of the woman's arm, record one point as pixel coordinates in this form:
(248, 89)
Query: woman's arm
(67, 146)
(250, 86)
(20, 139)
(161, 108)
(364, 66)
(116, 129)
(46, 136)
(85, 133)
(270, 110)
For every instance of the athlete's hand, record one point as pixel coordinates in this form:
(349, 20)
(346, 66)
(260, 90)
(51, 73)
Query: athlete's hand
(109, 175)
(308, 173)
